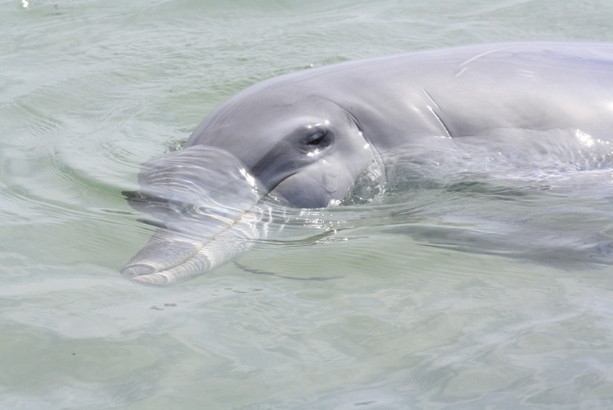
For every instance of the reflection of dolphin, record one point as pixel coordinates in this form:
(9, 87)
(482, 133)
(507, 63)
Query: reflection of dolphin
(306, 137)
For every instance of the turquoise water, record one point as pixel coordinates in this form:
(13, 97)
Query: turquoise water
(91, 89)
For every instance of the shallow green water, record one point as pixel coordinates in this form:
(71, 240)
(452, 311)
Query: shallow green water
(91, 89)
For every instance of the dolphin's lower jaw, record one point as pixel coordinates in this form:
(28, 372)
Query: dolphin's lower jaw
(204, 260)
(171, 257)
(143, 272)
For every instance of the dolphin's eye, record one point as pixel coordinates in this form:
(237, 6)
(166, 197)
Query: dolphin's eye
(318, 137)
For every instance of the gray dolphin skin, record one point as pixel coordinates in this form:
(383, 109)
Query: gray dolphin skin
(306, 137)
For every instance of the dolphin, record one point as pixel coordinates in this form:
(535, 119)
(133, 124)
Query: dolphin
(305, 138)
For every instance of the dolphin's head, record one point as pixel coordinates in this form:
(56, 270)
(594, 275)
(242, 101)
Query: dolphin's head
(315, 160)
(303, 149)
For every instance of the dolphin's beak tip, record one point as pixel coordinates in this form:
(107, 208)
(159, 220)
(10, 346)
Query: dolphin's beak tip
(137, 269)
(146, 274)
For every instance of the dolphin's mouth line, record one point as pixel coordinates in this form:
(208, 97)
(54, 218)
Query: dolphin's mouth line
(285, 178)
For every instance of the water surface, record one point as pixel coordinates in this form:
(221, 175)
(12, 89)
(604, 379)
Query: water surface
(407, 318)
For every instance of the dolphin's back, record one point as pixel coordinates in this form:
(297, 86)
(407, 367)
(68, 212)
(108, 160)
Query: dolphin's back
(462, 91)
